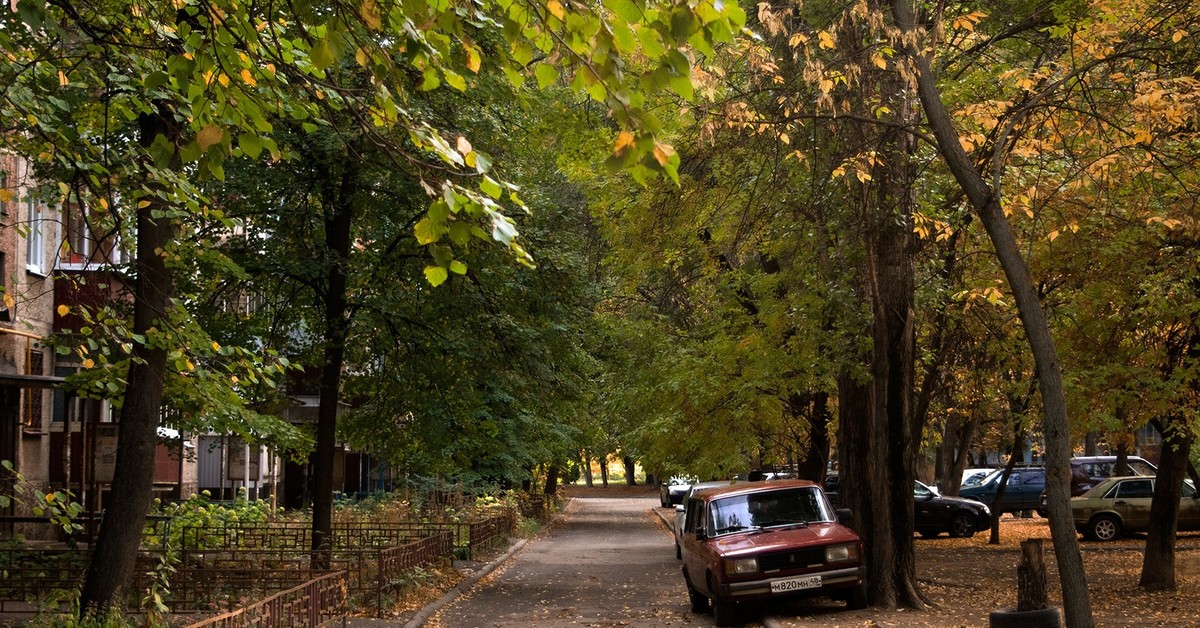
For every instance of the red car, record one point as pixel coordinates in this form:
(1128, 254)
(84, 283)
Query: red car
(754, 542)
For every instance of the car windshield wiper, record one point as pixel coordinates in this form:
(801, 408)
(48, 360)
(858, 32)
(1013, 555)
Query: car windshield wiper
(778, 523)
(736, 528)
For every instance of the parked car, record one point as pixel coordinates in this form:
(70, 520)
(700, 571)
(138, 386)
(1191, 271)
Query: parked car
(1023, 492)
(767, 541)
(681, 514)
(1099, 468)
(1118, 506)
(956, 516)
(673, 492)
(973, 477)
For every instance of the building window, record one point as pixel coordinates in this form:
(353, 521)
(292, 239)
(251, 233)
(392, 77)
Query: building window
(35, 249)
(33, 396)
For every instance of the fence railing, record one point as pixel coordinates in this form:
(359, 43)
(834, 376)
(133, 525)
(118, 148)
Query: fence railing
(317, 602)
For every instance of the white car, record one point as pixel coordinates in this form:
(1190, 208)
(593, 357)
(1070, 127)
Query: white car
(680, 509)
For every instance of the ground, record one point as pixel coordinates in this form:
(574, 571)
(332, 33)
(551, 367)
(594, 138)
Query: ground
(968, 578)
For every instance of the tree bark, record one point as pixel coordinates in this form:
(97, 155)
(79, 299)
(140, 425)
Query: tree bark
(111, 568)
(986, 203)
(1158, 561)
(338, 196)
(551, 486)
(629, 470)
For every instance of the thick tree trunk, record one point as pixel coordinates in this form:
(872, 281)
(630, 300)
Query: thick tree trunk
(604, 470)
(338, 197)
(812, 409)
(551, 486)
(1077, 607)
(111, 568)
(629, 471)
(587, 469)
(1158, 561)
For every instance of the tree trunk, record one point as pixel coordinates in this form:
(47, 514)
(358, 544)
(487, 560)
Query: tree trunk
(630, 468)
(338, 196)
(1077, 609)
(587, 469)
(551, 486)
(813, 409)
(604, 470)
(1018, 445)
(1158, 561)
(111, 568)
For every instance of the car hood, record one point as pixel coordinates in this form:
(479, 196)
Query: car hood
(782, 539)
(959, 501)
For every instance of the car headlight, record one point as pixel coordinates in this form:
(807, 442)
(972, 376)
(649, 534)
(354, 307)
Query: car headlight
(741, 565)
(841, 553)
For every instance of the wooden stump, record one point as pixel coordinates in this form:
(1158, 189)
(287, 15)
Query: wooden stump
(1031, 577)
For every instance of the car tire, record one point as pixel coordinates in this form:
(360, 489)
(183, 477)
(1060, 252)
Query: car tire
(928, 534)
(962, 525)
(1104, 528)
(724, 612)
(1041, 512)
(857, 599)
(698, 600)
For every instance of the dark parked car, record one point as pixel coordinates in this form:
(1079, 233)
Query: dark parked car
(767, 541)
(956, 516)
(1118, 506)
(1023, 492)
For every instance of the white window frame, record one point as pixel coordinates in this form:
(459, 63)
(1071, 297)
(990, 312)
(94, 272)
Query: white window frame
(35, 242)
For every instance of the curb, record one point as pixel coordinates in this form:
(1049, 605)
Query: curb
(449, 596)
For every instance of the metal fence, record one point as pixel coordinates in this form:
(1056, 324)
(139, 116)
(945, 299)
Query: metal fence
(317, 602)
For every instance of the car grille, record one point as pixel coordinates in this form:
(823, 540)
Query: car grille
(799, 559)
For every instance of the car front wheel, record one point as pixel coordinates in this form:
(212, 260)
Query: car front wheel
(697, 599)
(962, 525)
(724, 611)
(1105, 528)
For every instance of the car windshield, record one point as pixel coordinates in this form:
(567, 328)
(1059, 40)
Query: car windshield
(767, 509)
(977, 478)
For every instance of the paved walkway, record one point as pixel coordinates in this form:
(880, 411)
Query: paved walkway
(604, 562)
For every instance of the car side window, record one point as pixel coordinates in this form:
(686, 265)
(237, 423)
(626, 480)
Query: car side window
(1188, 490)
(1135, 489)
(694, 516)
(1033, 477)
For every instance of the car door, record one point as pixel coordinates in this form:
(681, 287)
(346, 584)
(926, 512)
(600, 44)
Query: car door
(928, 511)
(693, 550)
(1189, 509)
(1132, 502)
(1029, 491)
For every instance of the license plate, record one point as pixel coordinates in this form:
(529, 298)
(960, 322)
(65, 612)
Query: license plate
(795, 584)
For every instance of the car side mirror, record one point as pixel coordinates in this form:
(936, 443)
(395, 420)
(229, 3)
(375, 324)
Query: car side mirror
(701, 534)
(679, 508)
(845, 516)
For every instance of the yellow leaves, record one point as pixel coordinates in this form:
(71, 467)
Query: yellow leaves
(967, 22)
(826, 40)
(216, 346)
(369, 12)
(210, 135)
(797, 40)
(474, 59)
(248, 78)
(990, 294)
(556, 9)
(624, 141)
(223, 79)
(9, 302)
(63, 81)
(89, 363)
(663, 153)
(63, 310)
(928, 226)
(1178, 36)
(1169, 223)
(878, 60)
(362, 58)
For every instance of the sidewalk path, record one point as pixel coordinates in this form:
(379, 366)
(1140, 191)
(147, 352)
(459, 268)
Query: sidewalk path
(604, 562)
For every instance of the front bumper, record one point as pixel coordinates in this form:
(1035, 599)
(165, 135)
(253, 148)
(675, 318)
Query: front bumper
(830, 580)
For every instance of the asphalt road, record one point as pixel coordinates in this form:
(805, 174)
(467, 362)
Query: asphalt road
(604, 562)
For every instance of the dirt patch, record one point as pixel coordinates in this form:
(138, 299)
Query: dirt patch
(967, 578)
